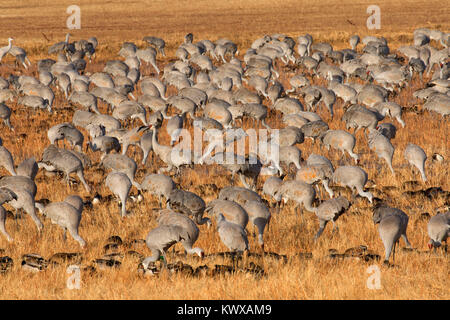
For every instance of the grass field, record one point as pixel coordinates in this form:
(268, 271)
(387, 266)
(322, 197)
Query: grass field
(36, 25)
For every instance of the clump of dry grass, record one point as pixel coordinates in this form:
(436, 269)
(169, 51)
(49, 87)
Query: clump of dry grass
(415, 276)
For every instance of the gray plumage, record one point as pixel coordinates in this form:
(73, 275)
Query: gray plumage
(120, 185)
(313, 173)
(22, 182)
(382, 147)
(358, 117)
(271, 186)
(121, 163)
(259, 215)
(6, 160)
(298, 191)
(416, 157)
(231, 210)
(354, 178)
(341, 140)
(232, 235)
(63, 160)
(169, 217)
(438, 229)
(387, 129)
(330, 210)
(67, 214)
(159, 185)
(392, 224)
(239, 195)
(85, 99)
(104, 144)
(160, 239)
(188, 203)
(66, 131)
(28, 168)
(5, 114)
(6, 195)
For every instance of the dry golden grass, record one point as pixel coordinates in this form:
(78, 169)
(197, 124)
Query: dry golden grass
(415, 276)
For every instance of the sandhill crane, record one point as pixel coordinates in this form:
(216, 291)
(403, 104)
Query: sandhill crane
(370, 95)
(358, 117)
(130, 109)
(5, 50)
(416, 157)
(169, 217)
(390, 108)
(160, 239)
(232, 235)
(299, 192)
(313, 173)
(120, 185)
(149, 56)
(34, 102)
(306, 40)
(239, 195)
(6, 195)
(67, 214)
(295, 120)
(438, 229)
(354, 178)
(290, 136)
(131, 137)
(6, 95)
(173, 157)
(392, 224)
(341, 140)
(66, 131)
(259, 215)
(39, 90)
(174, 127)
(381, 146)
(288, 106)
(314, 129)
(55, 158)
(231, 210)
(104, 144)
(25, 201)
(46, 78)
(438, 103)
(183, 104)
(6, 160)
(243, 166)
(19, 182)
(387, 129)
(121, 163)
(330, 210)
(254, 110)
(218, 110)
(270, 188)
(59, 46)
(354, 41)
(157, 42)
(28, 168)
(21, 57)
(159, 185)
(188, 203)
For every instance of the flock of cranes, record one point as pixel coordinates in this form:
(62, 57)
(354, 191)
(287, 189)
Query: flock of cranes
(215, 88)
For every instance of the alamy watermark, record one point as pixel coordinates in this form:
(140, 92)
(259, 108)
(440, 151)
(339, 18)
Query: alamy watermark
(374, 280)
(74, 20)
(374, 20)
(74, 281)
